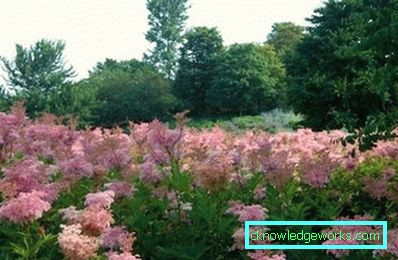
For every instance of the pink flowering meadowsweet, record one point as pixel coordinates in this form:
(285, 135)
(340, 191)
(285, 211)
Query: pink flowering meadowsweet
(24, 176)
(341, 252)
(25, 208)
(95, 220)
(76, 166)
(10, 124)
(316, 172)
(251, 212)
(234, 207)
(122, 256)
(266, 255)
(120, 188)
(71, 214)
(259, 193)
(149, 173)
(117, 238)
(100, 199)
(139, 132)
(75, 245)
(377, 187)
(392, 247)
(239, 240)
(114, 151)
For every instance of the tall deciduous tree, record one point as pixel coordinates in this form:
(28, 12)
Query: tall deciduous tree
(166, 21)
(37, 73)
(345, 70)
(196, 67)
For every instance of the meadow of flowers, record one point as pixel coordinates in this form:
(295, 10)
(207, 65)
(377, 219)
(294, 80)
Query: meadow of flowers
(152, 192)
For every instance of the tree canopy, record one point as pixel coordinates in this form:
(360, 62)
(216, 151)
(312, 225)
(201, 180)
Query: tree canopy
(166, 21)
(285, 37)
(129, 91)
(345, 70)
(247, 80)
(201, 47)
(37, 74)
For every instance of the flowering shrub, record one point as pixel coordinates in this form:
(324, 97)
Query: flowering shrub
(182, 193)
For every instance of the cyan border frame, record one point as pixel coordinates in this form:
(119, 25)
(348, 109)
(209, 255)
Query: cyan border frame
(316, 223)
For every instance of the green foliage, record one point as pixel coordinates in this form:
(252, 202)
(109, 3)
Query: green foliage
(37, 74)
(27, 242)
(248, 80)
(285, 37)
(166, 21)
(128, 90)
(196, 67)
(273, 121)
(344, 73)
(5, 101)
(165, 233)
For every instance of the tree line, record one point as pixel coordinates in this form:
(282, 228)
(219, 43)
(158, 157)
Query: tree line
(340, 72)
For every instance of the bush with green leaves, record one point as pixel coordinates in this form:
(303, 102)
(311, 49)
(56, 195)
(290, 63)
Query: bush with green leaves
(344, 73)
(248, 80)
(128, 91)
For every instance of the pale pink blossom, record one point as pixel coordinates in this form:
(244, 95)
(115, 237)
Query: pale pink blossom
(392, 247)
(266, 255)
(25, 208)
(100, 199)
(122, 256)
(95, 220)
(118, 238)
(76, 245)
(259, 192)
(120, 188)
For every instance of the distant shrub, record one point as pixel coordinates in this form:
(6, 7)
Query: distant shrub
(272, 121)
(278, 119)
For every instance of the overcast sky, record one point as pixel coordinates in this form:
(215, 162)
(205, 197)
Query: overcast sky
(97, 29)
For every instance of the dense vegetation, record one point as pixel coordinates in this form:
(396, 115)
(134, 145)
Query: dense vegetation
(180, 193)
(344, 73)
(90, 170)
(338, 73)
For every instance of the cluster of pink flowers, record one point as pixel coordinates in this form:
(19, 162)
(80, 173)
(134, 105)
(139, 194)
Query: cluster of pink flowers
(353, 231)
(25, 208)
(214, 156)
(117, 238)
(92, 225)
(24, 176)
(120, 188)
(245, 213)
(250, 212)
(392, 246)
(76, 245)
(377, 187)
(28, 190)
(46, 138)
(266, 255)
(10, 126)
(52, 156)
